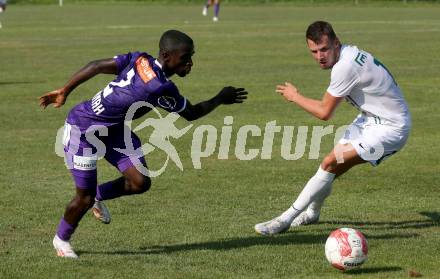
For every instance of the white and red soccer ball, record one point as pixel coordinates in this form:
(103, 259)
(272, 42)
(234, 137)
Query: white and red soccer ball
(346, 248)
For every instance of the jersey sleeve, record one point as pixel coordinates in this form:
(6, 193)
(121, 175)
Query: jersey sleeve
(170, 99)
(344, 78)
(122, 61)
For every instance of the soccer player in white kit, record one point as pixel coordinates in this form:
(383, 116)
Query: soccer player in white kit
(380, 130)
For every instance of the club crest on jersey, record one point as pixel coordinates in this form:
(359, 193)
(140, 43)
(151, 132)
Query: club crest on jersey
(144, 69)
(167, 102)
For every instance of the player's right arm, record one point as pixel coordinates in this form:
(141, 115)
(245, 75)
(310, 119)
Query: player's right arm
(58, 97)
(227, 96)
(322, 109)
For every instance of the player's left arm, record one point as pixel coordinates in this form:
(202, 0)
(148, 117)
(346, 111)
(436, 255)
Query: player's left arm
(322, 109)
(58, 97)
(227, 96)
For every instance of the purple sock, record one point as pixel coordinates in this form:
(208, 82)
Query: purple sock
(65, 230)
(108, 191)
(216, 9)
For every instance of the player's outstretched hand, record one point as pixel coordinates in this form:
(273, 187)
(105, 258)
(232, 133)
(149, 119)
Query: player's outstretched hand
(288, 91)
(231, 95)
(56, 97)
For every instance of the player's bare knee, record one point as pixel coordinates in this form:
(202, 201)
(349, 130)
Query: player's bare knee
(139, 184)
(145, 184)
(329, 163)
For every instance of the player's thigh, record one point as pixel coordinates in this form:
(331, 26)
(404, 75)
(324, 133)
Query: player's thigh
(80, 159)
(123, 151)
(83, 170)
(374, 143)
(342, 158)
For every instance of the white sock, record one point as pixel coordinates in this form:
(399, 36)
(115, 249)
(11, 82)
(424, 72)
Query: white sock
(290, 214)
(315, 206)
(317, 189)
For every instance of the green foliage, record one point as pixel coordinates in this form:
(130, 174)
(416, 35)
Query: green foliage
(199, 223)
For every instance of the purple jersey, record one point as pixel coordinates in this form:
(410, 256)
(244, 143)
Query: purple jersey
(140, 78)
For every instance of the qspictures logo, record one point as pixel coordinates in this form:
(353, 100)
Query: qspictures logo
(206, 139)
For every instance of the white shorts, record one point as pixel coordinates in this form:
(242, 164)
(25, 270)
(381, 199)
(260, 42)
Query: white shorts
(374, 139)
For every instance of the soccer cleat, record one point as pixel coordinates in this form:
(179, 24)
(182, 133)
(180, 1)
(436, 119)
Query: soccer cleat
(205, 11)
(101, 212)
(215, 19)
(63, 248)
(305, 218)
(271, 227)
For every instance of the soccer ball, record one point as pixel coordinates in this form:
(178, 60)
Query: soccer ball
(346, 248)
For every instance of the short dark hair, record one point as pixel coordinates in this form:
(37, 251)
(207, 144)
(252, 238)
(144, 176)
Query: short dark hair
(318, 29)
(172, 40)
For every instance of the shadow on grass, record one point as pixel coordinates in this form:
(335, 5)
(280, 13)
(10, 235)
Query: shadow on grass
(235, 243)
(224, 244)
(238, 243)
(434, 216)
(367, 270)
(433, 221)
(291, 237)
(17, 82)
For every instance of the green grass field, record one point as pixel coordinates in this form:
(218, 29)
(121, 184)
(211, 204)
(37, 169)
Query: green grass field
(199, 223)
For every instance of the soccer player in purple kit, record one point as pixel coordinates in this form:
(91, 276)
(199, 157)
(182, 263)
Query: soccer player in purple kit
(139, 77)
(216, 8)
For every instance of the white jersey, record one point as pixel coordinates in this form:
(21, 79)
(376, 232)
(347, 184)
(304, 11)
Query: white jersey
(369, 86)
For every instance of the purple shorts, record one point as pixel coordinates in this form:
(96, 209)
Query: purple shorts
(82, 151)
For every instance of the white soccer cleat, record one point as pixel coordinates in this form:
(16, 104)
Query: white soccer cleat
(271, 227)
(215, 19)
(205, 11)
(101, 212)
(63, 248)
(305, 218)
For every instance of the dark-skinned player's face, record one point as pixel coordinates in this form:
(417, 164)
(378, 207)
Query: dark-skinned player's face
(180, 61)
